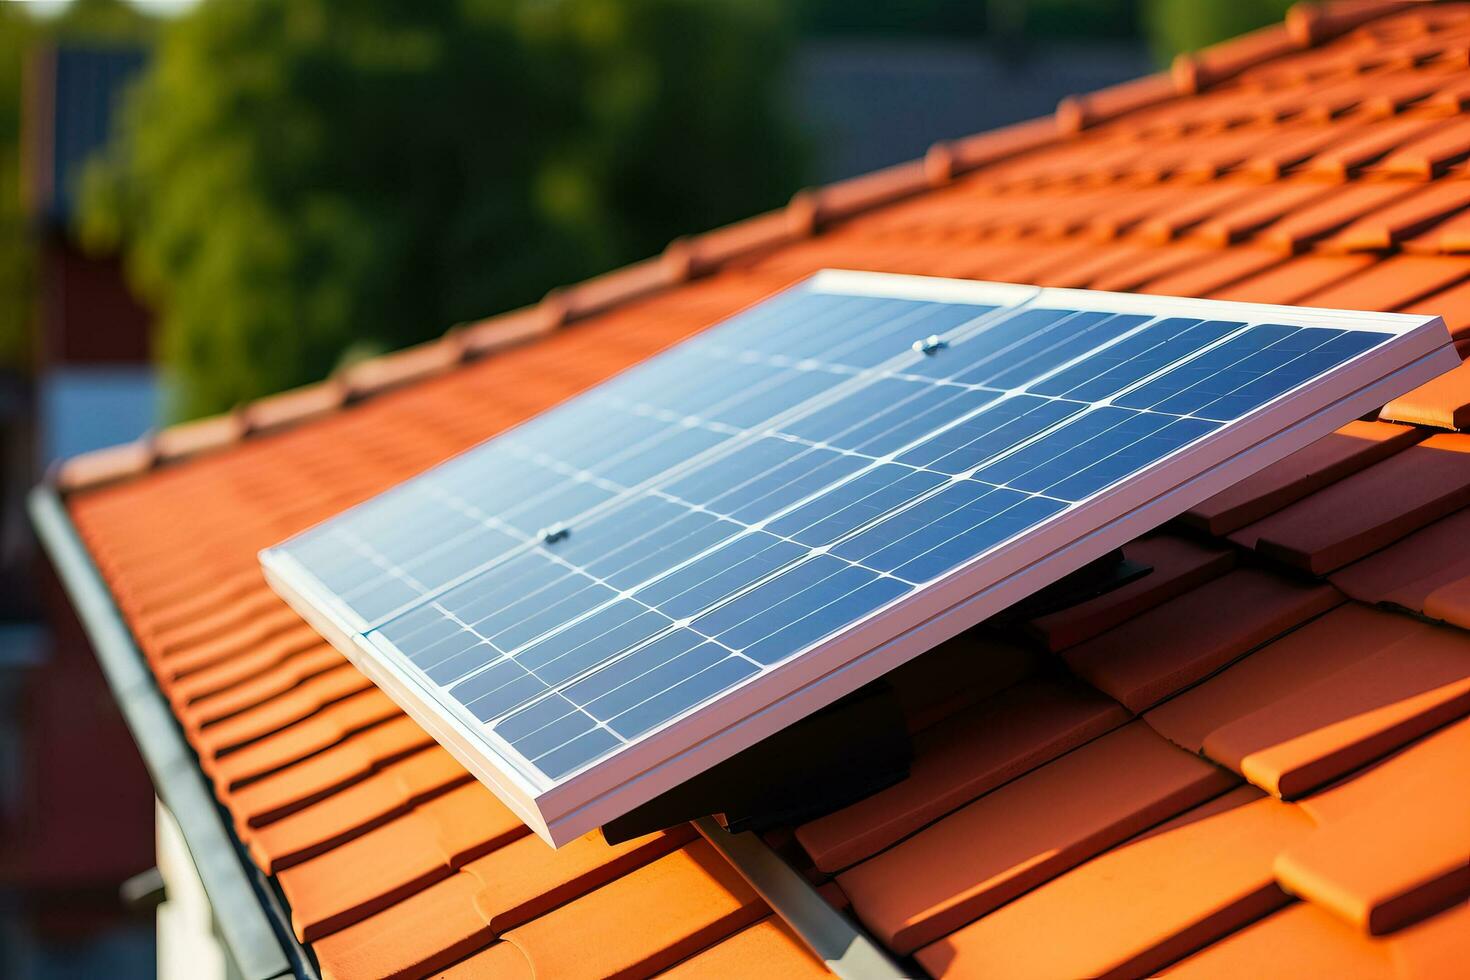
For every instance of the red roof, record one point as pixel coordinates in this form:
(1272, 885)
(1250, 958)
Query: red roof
(1251, 761)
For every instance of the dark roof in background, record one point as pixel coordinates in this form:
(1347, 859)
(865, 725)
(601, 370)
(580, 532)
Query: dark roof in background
(1251, 761)
(73, 93)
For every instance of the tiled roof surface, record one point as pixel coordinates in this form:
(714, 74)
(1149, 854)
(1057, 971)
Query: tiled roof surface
(1252, 761)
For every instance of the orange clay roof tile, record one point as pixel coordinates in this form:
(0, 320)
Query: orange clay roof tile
(377, 869)
(1389, 864)
(645, 921)
(1430, 153)
(1391, 284)
(236, 731)
(1176, 565)
(526, 879)
(501, 961)
(1435, 948)
(1168, 892)
(1413, 573)
(1443, 403)
(1353, 715)
(1355, 446)
(205, 699)
(1213, 273)
(1159, 652)
(961, 758)
(1364, 145)
(426, 931)
(1343, 636)
(328, 772)
(768, 948)
(1303, 227)
(353, 811)
(1301, 940)
(1339, 132)
(1292, 280)
(301, 741)
(1405, 218)
(1368, 510)
(1025, 833)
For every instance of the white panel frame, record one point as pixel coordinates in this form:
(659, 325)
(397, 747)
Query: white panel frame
(767, 702)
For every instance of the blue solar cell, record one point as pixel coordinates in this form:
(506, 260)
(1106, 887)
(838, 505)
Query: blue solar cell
(765, 486)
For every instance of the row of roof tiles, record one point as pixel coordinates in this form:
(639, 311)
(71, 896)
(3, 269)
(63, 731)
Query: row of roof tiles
(1183, 766)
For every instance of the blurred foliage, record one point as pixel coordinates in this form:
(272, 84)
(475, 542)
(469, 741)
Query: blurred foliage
(15, 252)
(296, 180)
(1172, 26)
(81, 21)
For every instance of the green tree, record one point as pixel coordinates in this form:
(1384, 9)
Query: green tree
(15, 252)
(1173, 26)
(297, 178)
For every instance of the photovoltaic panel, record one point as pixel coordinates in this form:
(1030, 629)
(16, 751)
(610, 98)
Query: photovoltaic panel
(619, 592)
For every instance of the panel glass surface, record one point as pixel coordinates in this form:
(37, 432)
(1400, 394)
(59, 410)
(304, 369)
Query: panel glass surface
(611, 566)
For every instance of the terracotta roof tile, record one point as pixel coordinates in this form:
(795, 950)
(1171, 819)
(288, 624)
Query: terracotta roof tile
(1213, 274)
(1443, 403)
(387, 864)
(1347, 207)
(333, 769)
(1391, 284)
(1368, 510)
(1176, 565)
(1368, 144)
(1351, 716)
(1405, 218)
(961, 758)
(255, 723)
(225, 688)
(502, 961)
(1320, 163)
(1389, 865)
(1430, 153)
(526, 879)
(390, 792)
(1453, 305)
(1167, 892)
(1411, 573)
(1355, 446)
(645, 921)
(1265, 208)
(1292, 280)
(426, 931)
(1301, 940)
(1034, 828)
(1159, 652)
(1434, 948)
(302, 740)
(766, 949)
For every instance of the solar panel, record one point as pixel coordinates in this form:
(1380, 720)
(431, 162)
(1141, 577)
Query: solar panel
(635, 585)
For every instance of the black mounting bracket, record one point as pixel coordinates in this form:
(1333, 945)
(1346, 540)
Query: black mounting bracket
(848, 750)
(1096, 578)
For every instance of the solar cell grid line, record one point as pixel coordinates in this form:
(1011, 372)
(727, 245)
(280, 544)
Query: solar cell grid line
(932, 560)
(686, 615)
(510, 703)
(477, 692)
(854, 328)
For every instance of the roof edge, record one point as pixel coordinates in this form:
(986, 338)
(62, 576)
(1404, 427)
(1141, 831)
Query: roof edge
(247, 912)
